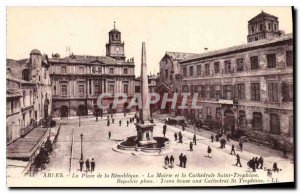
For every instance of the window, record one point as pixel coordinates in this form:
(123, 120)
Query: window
(184, 71)
(185, 88)
(207, 69)
(269, 26)
(275, 27)
(192, 90)
(217, 91)
(111, 70)
(111, 89)
(64, 90)
(252, 29)
(240, 64)
(227, 90)
(125, 71)
(81, 90)
(257, 120)
(289, 58)
(271, 60)
(254, 62)
(227, 66)
(99, 70)
(287, 92)
(125, 88)
(63, 69)
(199, 70)
(191, 70)
(217, 67)
(240, 91)
(166, 73)
(274, 124)
(81, 70)
(97, 89)
(273, 92)
(260, 27)
(255, 92)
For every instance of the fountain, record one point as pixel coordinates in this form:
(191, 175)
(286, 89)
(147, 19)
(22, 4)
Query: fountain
(144, 140)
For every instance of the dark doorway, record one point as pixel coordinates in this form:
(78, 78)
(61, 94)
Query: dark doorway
(81, 111)
(64, 111)
(229, 122)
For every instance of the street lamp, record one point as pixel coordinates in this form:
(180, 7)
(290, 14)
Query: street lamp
(81, 156)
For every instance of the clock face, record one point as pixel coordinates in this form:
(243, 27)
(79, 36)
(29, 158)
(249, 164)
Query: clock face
(117, 49)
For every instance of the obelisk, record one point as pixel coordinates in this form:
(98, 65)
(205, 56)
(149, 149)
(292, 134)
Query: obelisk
(144, 127)
(145, 111)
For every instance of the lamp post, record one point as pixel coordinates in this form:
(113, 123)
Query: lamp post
(81, 137)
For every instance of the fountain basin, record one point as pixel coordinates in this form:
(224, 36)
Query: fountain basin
(132, 144)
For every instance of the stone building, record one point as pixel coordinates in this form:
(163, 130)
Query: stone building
(170, 78)
(247, 87)
(28, 98)
(78, 80)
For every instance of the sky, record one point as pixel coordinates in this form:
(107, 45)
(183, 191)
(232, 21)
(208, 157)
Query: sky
(177, 29)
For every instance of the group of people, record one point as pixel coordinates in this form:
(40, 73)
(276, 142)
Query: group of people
(256, 163)
(89, 165)
(169, 162)
(182, 160)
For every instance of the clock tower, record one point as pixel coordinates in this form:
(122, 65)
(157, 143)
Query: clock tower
(114, 47)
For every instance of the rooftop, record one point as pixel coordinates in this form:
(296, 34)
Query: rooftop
(177, 56)
(254, 44)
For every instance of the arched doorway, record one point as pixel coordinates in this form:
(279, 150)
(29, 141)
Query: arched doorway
(81, 110)
(64, 111)
(274, 123)
(242, 119)
(229, 120)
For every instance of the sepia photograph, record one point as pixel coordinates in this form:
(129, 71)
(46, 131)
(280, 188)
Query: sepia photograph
(150, 96)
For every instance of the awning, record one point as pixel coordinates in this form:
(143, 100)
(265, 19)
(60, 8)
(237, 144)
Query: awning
(25, 147)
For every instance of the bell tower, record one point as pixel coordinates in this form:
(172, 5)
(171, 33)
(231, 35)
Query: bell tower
(263, 26)
(115, 47)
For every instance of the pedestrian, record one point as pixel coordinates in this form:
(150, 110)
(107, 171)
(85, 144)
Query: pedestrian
(107, 117)
(251, 164)
(191, 146)
(92, 165)
(108, 122)
(275, 167)
(209, 152)
(212, 137)
(81, 162)
(217, 137)
(261, 162)
(221, 143)
(172, 161)
(232, 149)
(241, 146)
(127, 123)
(238, 160)
(184, 160)
(87, 165)
(195, 140)
(113, 120)
(183, 127)
(180, 137)
(181, 160)
(109, 134)
(175, 136)
(228, 137)
(167, 161)
(256, 162)
(111, 115)
(164, 130)
(120, 123)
